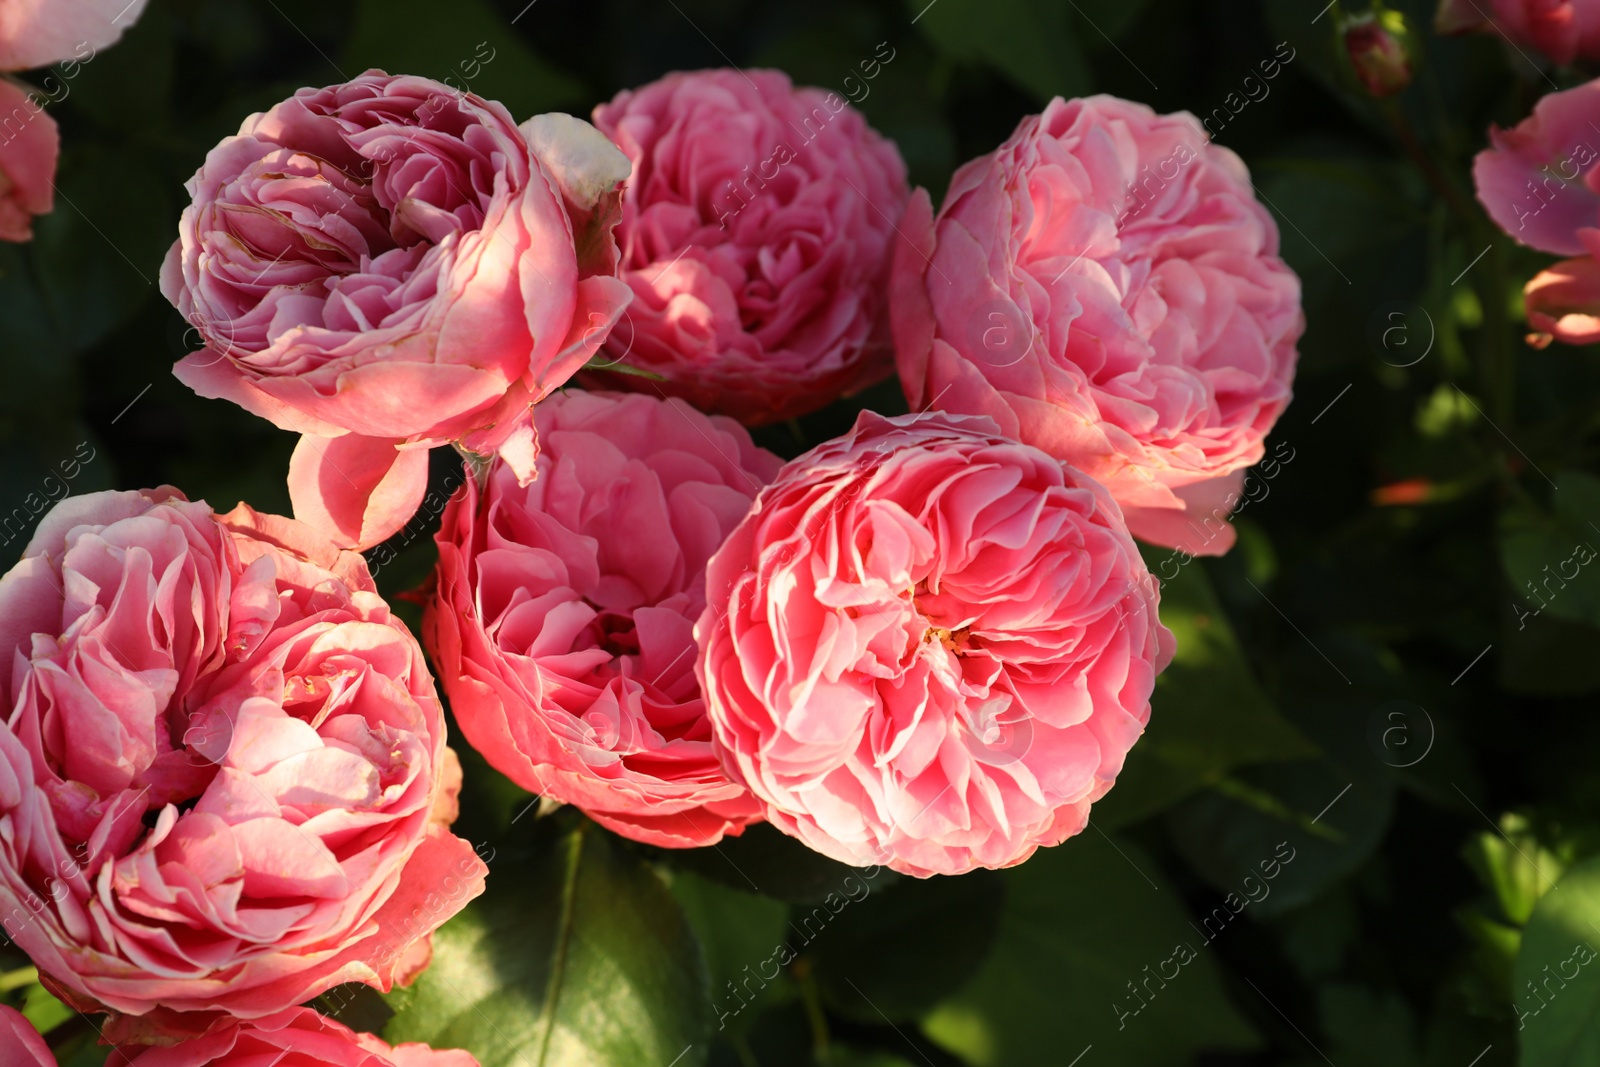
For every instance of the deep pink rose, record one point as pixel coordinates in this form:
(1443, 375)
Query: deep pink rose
(929, 646)
(29, 145)
(389, 264)
(36, 33)
(1564, 30)
(224, 772)
(563, 616)
(20, 1043)
(1540, 180)
(298, 1037)
(1105, 286)
(756, 232)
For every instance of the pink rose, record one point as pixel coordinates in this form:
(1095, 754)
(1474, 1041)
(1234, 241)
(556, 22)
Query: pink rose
(1105, 286)
(755, 233)
(36, 33)
(1540, 180)
(929, 646)
(563, 615)
(298, 1037)
(1564, 30)
(20, 1043)
(387, 265)
(29, 145)
(1563, 300)
(224, 771)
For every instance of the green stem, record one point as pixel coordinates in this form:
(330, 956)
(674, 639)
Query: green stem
(22, 976)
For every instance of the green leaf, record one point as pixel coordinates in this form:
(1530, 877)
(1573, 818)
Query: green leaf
(1547, 554)
(1032, 42)
(895, 953)
(464, 44)
(1110, 18)
(576, 955)
(1208, 715)
(1557, 977)
(1080, 923)
(765, 860)
(739, 934)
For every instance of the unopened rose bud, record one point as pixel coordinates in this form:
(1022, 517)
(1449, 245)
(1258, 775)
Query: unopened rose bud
(1376, 45)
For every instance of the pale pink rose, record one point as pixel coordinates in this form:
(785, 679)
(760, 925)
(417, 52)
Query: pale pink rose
(389, 264)
(929, 646)
(36, 33)
(1540, 180)
(1105, 286)
(224, 769)
(756, 233)
(29, 145)
(298, 1037)
(20, 1043)
(562, 618)
(1564, 30)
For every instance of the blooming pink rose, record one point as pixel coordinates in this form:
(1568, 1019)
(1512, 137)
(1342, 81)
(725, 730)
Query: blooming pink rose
(1105, 286)
(298, 1037)
(224, 770)
(389, 264)
(36, 33)
(929, 646)
(29, 145)
(1564, 30)
(1540, 180)
(563, 616)
(20, 1043)
(756, 234)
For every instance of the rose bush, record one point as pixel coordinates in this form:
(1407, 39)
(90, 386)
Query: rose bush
(29, 146)
(224, 785)
(1105, 286)
(389, 264)
(755, 232)
(929, 646)
(563, 612)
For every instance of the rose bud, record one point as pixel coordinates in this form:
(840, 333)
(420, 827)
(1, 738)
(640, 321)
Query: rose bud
(224, 780)
(563, 613)
(1106, 287)
(298, 1037)
(756, 231)
(1377, 51)
(389, 264)
(27, 161)
(929, 646)
(37, 33)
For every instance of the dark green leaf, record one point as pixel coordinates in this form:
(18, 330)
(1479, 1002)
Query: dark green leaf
(1547, 554)
(1032, 42)
(1557, 978)
(576, 955)
(740, 934)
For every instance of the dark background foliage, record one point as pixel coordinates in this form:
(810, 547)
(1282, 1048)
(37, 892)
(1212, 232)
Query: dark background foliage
(1365, 773)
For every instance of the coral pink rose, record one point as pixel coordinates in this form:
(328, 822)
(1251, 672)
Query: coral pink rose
(1564, 30)
(36, 33)
(756, 232)
(1540, 180)
(29, 145)
(224, 773)
(20, 1043)
(1563, 301)
(1105, 286)
(389, 264)
(929, 646)
(298, 1037)
(563, 616)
